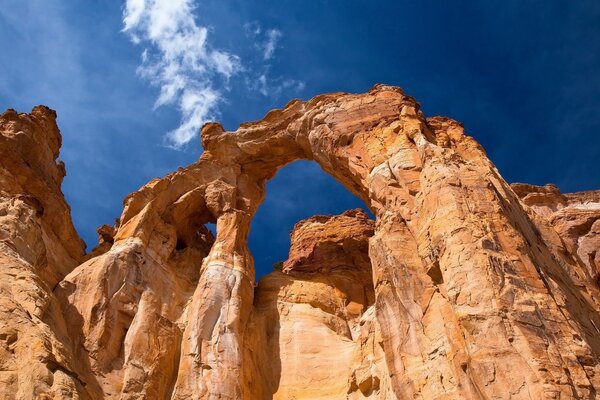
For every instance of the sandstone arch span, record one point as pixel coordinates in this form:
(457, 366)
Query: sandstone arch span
(470, 284)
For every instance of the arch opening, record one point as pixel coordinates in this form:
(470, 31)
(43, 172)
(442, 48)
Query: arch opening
(298, 191)
(309, 240)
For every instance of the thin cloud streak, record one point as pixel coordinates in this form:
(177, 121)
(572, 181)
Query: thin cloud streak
(273, 36)
(275, 87)
(266, 41)
(178, 59)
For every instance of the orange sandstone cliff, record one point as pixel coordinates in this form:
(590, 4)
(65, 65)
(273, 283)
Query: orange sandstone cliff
(463, 287)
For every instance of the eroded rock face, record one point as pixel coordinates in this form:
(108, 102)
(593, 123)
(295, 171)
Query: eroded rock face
(313, 332)
(575, 216)
(38, 247)
(459, 290)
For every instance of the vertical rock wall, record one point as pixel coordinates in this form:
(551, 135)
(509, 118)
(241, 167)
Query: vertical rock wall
(38, 247)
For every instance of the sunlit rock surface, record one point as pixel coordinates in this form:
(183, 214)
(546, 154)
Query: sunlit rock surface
(462, 288)
(38, 247)
(313, 333)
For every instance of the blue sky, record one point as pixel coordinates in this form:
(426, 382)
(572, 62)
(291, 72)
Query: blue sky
(524, 78)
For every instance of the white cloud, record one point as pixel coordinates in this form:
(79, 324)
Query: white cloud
(252, 28)
(195, 105)
(179, 61)
(192, 75)
(275, 87)
(262, 84)
(266, 41)
(270, 45)
(281, 85)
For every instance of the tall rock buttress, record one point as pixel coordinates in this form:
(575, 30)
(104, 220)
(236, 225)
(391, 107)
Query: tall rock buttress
(38, 247)
(462, 288)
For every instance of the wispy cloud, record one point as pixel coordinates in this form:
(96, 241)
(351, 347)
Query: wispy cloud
(267, 42)
(270, 45)
(275, 87)
(179, 60)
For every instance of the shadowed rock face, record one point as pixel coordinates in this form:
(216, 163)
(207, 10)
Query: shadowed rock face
(463, 287)
(575, 216)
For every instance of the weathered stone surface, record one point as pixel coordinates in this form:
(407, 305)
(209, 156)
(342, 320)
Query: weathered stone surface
(38, 247)
(322, 243)
(313, 332)
(461, 291)
(127, 304)
(575, 216)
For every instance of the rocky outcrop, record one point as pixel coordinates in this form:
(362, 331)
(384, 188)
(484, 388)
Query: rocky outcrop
(459, 289)
(575, 216)
(313, 332)
(38, 247)
(127, 304)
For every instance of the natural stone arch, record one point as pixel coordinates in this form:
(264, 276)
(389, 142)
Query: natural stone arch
(455, 255)
(298, 191)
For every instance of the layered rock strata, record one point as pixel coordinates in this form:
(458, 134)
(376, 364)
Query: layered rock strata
(475, 289)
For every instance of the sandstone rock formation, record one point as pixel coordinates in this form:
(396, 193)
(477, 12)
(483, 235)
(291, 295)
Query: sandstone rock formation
(575, 216)
(313, 332)
(38, 247)
(463, 288)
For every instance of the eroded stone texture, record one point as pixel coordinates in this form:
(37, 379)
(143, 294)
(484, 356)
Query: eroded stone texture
(575, 216)
(322, 243)
(38, 247)
(313, 332)
(127, 305)
(471, 295)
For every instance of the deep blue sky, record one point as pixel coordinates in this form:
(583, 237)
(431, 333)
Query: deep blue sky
(523, 76)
